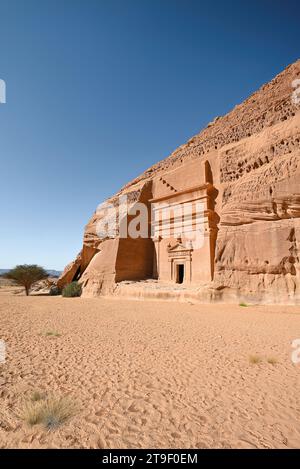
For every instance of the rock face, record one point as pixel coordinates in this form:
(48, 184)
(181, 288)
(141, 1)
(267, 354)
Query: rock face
(252, 155)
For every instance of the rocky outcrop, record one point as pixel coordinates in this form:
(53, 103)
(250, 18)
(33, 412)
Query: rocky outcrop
(254, 156)
(75, 269)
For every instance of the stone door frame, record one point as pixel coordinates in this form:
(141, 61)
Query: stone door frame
(179, 254)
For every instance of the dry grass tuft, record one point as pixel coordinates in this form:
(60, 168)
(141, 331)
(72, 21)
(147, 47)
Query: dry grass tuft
(51, 412)
(53, 333)
(36, 396)
(31, 413)
(272, 360)
(58, 411)
(255, 359)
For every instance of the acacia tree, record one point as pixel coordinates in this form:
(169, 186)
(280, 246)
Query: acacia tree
(26, 275)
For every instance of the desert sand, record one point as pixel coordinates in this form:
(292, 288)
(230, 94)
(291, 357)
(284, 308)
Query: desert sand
(150, 374)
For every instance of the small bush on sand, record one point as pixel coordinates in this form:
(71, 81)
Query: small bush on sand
(71, 290)
(51, 412)
(243, 304)
(255, 359)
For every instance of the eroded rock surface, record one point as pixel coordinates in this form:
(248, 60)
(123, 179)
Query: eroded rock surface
(254, 156)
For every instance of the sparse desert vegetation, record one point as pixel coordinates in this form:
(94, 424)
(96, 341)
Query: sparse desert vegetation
(272, 360)
(255, 359)
(146, 374)
(51, 412)
(52, 334)
(72, 290)
(36, 396)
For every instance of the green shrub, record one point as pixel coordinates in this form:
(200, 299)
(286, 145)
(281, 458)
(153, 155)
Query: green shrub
(71, 290)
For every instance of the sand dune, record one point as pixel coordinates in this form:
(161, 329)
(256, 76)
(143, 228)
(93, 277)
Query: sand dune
(150, 374)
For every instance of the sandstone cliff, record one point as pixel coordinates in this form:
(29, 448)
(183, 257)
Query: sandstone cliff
(254, 154)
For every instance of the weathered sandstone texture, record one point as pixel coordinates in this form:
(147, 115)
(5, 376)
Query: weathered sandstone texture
(245, 166)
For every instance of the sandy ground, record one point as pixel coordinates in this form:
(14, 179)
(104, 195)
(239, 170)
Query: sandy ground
(150, 374)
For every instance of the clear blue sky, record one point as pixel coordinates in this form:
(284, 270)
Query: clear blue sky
(99, 90)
